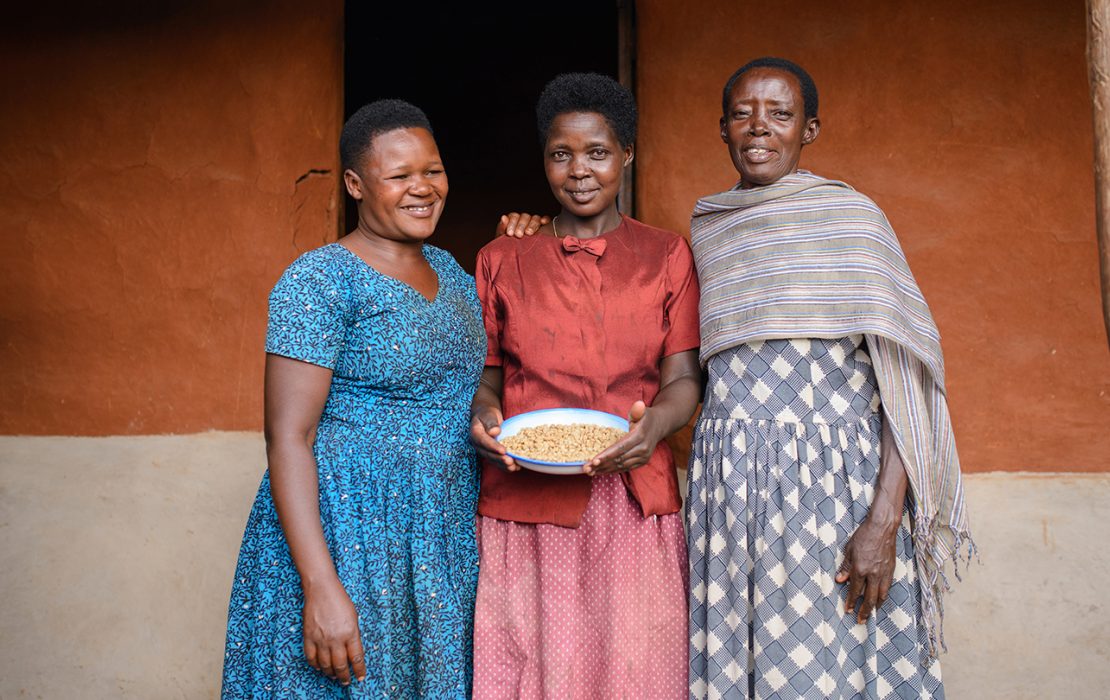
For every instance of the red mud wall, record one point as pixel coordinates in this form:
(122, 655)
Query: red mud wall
(160, 164)
(970, 125)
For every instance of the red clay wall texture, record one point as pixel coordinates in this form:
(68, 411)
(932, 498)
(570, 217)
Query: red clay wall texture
(159, 167)
(970, 124)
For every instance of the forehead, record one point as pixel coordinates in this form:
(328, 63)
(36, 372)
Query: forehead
(767, 83)
(401, 145)
(581, 126)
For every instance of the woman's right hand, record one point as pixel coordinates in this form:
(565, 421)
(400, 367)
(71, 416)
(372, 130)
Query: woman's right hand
(485, 426)
(519, 225)
(332, 644)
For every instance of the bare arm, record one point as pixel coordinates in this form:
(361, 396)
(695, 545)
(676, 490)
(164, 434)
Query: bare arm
(679, 391)
(295, 396)
(869, 555)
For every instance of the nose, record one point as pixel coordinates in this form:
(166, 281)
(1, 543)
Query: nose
(580, 167)
(757, 125)
(420, 186)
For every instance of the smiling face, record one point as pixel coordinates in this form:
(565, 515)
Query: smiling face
(584, 162)
(401, 185)
(766, 127)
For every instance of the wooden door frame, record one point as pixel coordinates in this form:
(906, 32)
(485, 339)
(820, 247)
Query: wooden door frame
(1098, 72)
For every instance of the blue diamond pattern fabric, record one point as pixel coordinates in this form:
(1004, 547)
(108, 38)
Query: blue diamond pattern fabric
(783, 469)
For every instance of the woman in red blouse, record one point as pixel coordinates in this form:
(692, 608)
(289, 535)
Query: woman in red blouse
(582, 583)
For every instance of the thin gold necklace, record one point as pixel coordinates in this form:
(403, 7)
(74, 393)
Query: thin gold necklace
(553, 228)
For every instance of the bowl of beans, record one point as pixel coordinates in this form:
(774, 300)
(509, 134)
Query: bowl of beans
(559, 440)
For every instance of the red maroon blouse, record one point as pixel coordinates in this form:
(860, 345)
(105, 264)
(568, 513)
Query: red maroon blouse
(572, 328)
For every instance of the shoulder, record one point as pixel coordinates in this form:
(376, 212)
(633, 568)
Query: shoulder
(649, 232)
(328, 265)
(444, 260)
(329, 261)
(494, 255)
(324, 271)
(841, 193)
(505, 246)
(645, 236)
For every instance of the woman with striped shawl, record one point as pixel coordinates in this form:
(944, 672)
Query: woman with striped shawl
(824, 487)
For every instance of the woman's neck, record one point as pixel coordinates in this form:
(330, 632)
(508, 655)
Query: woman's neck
(364, 240)
(568, 224)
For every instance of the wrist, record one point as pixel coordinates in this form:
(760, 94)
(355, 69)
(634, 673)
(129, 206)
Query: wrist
(884, 516)
(319, 582)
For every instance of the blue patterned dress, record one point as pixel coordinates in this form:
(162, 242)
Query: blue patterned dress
(398, 484)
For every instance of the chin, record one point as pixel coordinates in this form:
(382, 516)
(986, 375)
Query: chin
(585, 211)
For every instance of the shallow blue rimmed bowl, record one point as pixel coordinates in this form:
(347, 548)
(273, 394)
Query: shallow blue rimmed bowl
(557, 416)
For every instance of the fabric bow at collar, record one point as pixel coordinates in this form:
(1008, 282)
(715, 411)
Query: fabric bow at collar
(593, 246)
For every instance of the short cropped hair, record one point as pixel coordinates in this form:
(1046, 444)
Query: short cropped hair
(376, 118)
(588, 92)
(809, 88)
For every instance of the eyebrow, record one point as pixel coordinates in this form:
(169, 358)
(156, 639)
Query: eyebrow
(592, 144)
(410, 166)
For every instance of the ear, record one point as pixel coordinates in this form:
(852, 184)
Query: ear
(629, 155)
(724, 129)
(353, 183)
(813, 127)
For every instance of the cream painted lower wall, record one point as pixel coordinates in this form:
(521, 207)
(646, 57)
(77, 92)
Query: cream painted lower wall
(116, 557)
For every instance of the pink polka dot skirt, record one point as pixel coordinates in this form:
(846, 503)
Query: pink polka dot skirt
(599, 611)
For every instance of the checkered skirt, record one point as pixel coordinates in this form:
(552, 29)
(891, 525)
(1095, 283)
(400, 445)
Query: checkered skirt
(784, 466)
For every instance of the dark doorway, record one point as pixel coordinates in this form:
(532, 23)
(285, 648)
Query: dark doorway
(476, 69)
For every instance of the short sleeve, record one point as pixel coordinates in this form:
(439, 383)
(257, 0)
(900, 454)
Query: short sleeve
(680, 313)
(491, 310)
(307, 311)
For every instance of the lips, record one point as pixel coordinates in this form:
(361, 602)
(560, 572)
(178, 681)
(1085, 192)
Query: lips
(757, 154)
(582, 196)
(419, 211)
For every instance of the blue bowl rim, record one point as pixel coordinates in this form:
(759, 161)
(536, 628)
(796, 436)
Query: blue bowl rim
(529, 460)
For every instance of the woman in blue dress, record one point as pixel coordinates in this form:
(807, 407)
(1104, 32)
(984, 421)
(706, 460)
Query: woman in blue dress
(357, 572)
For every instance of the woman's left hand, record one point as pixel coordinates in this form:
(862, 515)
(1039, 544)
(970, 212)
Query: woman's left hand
(631, 451)
(868, 566)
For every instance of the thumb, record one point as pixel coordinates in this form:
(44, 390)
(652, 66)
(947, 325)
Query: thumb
(491, 421)
(845, 567)
(636, 413)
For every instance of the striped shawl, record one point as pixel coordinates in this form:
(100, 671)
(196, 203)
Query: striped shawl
(807, 257)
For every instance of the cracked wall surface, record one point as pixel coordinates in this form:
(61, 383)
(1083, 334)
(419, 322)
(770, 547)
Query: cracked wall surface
(159, 167)
(970, 125)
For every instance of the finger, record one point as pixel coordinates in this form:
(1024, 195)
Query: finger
(884, 589)
(310, 654)
(842, 574)
(534, 224)
(612, 460)
(516, 230)
(620, 448)
(323, 655)
(870, 601)
(637, 412)
(341, 664)
(487, 444)
(855, 590)
(357, 656)
(502, 224)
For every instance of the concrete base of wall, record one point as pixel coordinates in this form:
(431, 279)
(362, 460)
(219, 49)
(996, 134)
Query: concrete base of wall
(117, 555)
